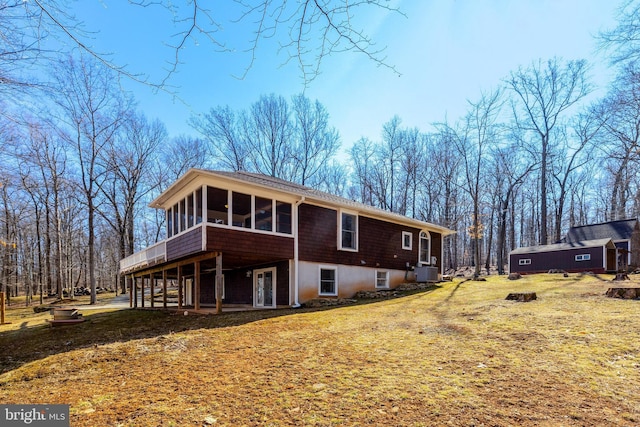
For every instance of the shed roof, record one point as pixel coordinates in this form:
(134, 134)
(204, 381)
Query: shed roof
(310, 194)
(565, 246)
(615, 230)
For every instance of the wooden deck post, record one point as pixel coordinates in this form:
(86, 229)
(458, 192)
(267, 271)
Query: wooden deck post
(142, 292)
(196, 302)
(152, 286)
(164, 288)
(179, 287)
(134, 285)
(219, 283)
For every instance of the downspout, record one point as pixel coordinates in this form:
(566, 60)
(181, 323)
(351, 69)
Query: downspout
(296, 274)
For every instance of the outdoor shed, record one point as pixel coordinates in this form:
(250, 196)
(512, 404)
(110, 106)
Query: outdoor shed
(625, 235)
(597, 256)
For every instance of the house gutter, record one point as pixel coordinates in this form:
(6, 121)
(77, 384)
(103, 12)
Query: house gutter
(296, 274)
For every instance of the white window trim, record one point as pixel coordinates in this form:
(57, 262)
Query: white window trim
(327, 267)
(583, 257)
(386, 280)
(428, 262)
(524, 261)
(339, 231)
(410, 235)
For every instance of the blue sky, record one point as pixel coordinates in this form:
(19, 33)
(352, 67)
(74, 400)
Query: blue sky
(447, 52)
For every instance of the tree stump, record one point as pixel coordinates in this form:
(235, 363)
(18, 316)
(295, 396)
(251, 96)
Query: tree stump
(514, 276)
(522, 296)
(621, 276)
(623, 293)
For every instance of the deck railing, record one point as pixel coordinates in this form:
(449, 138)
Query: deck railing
(151, 255)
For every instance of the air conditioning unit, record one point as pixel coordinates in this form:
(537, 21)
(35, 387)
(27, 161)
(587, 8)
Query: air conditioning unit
(426, 274)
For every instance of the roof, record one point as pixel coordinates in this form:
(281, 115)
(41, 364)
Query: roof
(565, 246)
(309, 195)
(615, 230)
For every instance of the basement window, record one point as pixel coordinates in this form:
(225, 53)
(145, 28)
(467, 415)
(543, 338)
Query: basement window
(583, 257)
(524, 261)
(382, 279)
(328, 281)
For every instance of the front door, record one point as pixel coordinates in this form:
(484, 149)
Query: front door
(264, 290)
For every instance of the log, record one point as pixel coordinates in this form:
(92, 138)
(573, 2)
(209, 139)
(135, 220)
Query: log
(522, 296)
(623, 293)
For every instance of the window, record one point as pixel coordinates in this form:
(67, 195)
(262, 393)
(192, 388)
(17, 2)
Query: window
(348, 232)
(190, 211)
(241, 210)
(524, 261)
(425, 248)
(263, 214)
(407, 240)
(176, 220)
(583, 257)
(283, 217)
(198, 205)
(382, 279)
(183, 215)
(169, 216)
(328, 281)
(217, 205)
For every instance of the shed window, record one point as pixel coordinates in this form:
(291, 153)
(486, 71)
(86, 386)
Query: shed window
(524, 261)
(583, 257)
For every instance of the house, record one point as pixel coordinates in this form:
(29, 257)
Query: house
(597, 256)
(605, 247)
(625, 235)
(267, 242)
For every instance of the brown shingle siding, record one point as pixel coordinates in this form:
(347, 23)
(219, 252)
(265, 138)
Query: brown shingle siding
(185, 244)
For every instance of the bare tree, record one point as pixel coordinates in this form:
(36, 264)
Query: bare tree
(623, 41)
(305, 33)
(93, 108)
(619, 113)
(314, 141)
(572, 157)
(128, 161)
(511, 167)
(267, 130)
(222, 130)
(473, 141)
(361, 155)
(543, 92)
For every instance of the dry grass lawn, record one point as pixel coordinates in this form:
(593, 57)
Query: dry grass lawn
(459, 354)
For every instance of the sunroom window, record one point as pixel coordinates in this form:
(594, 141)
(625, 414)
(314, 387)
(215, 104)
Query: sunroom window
(263, 214)
(217, 205)
(283, 217)
(241, 210)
